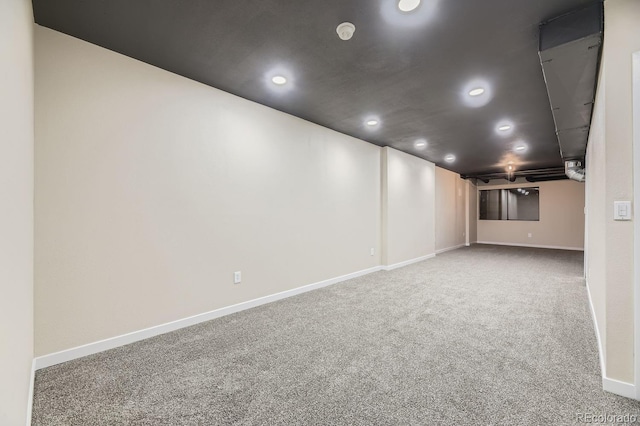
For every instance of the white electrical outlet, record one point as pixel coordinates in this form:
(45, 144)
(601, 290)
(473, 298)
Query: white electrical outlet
(529, 235)
(373, 251)
(237, 277)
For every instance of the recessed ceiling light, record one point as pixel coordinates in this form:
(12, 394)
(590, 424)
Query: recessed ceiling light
(520, 148)
(449, 158)
(420, 144)
(476, 93)
(372, 122)
(504, 128)
(407, 14)
(408, 5)
(279, 80)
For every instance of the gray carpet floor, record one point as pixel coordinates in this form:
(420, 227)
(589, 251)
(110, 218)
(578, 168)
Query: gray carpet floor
(482, 335)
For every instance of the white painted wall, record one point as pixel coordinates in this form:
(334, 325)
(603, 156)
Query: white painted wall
(561, 223)
(152, 189)
(408, 188)
(635, 207)
(451, 210)
(595, 190)
(16, 217)
(610, 253)
(471, 212)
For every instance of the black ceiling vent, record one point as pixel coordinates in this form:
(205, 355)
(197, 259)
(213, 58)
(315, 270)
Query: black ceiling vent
(531, 175)
(570, 48)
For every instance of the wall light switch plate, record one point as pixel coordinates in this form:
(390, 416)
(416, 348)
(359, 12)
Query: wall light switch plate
(373, 251)
(237, 277)
(622, 210)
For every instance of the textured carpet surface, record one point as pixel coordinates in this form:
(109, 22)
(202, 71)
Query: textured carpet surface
(480, 335)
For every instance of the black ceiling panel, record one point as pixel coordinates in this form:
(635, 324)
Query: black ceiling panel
(410, 70)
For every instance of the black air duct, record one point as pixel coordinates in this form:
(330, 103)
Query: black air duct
(570, 48)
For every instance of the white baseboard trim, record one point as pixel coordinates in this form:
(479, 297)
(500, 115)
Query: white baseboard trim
(625, 389)
(32, 380)
(610, 385)
(449, 248)
(531, 245)
(135, 336)
(407, 262)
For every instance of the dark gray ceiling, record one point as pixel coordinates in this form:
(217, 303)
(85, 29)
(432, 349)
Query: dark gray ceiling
(409, 70)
